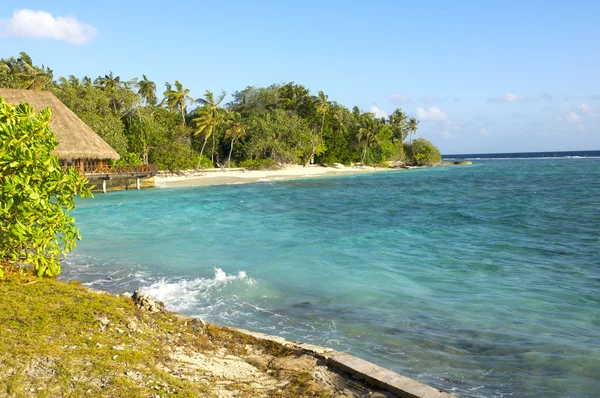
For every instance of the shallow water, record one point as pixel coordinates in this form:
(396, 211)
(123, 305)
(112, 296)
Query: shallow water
(483, 280)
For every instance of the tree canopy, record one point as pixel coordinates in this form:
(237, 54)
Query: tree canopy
(279, 123)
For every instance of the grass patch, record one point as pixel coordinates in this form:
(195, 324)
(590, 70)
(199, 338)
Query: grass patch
(60, 339)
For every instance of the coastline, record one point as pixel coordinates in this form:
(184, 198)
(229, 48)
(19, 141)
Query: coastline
(239, 176)
(114, 345)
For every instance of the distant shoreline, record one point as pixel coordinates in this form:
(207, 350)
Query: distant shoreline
(237, 176)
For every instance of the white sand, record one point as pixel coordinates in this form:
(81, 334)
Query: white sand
(236, 176)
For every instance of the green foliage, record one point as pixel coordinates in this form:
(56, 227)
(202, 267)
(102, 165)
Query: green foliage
(21, 73)
(36, 195)
(282, 122)
(177, 99)
(282, 136)
(129, 158)
(175, 156)
(259, 164)
(422, 152)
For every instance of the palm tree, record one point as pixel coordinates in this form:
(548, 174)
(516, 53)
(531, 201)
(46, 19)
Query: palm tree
(236, 130)
(322, 107)
(64, 83)
(147, 90)
(108, 82)
(338, 117)
(367, 133)
(210, 117)
(28, 76)
(177, 98)
(398, 122)
(412, 127)
(87, 82)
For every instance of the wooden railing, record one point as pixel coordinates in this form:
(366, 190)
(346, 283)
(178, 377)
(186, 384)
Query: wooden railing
(149, 169)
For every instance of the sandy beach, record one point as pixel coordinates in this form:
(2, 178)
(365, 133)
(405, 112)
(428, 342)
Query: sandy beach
(238, 176)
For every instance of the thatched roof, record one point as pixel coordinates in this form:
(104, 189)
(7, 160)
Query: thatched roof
(75, 139)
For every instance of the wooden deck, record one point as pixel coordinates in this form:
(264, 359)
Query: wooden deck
(108, 172)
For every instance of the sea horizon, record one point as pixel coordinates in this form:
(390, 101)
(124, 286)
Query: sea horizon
(523, 155)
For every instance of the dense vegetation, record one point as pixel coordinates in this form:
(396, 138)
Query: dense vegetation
(36, 195)
(260, 127)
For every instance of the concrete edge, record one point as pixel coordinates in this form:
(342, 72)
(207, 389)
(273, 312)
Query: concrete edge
(357, 368)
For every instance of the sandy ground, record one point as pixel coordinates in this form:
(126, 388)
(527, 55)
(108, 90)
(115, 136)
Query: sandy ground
(237, 176)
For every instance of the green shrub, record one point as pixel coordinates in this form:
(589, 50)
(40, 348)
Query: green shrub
(259, 164)
(174, 156)
(129, 158)
(36, 195)
(205, 162)
(422, 153)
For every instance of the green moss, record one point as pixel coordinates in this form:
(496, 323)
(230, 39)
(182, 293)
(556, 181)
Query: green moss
(60, 339)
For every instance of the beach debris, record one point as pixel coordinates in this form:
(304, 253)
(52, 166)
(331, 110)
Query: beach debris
(144, 302)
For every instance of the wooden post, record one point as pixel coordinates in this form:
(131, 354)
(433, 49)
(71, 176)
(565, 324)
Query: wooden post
(137, 183)
(104, 186)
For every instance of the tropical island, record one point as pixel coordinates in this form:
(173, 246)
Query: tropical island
(260, 128)
(63, 339)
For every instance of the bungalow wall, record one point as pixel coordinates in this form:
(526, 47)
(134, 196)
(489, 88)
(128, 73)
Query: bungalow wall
(83, 165)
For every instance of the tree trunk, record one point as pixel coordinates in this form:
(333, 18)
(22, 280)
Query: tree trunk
(312, 155)
(182, 115)
(322, 125)
(145, 154)
(364, 155)
(201, 152)
(212, 155)
(230, 150)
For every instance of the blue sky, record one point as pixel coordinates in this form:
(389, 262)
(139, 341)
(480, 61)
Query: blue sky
(482, 76)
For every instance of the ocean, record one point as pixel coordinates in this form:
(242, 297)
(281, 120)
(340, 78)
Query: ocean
(482, 280)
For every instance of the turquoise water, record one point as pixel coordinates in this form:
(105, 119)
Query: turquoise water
(483, 280)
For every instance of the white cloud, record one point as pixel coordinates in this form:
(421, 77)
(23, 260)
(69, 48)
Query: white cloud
(508, 97)
(431, 113)
(584, 108)
(572, 117)
(378, 112)
(430, 99)
(400, 99)
(41, 24)
(569, 117)
(484, 132)
(545, 96)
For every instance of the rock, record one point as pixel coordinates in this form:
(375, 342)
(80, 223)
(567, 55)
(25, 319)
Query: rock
(199, 325)
(144, 302)
(338, 166)
(396, 164)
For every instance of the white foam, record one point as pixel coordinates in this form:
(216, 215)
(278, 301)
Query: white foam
(187, 294)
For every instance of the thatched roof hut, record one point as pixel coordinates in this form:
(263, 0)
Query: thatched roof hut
(75, 139)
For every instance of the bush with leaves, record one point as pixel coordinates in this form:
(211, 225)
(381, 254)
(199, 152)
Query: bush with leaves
(36, 195)
(422, 152)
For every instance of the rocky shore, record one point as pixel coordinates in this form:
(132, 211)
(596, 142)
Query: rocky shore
(61, 339)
